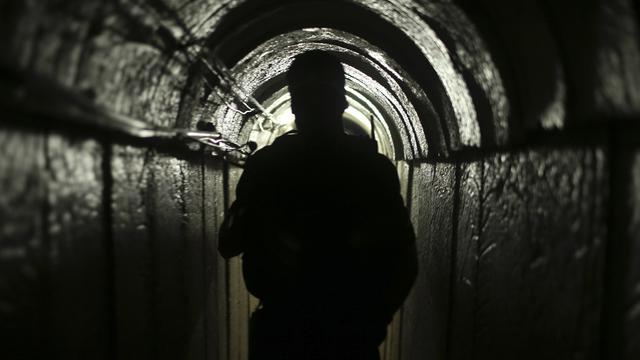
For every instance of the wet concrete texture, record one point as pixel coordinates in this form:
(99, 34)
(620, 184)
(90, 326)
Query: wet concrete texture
(530, 271)
(504, 116)
(631, 298)
(621, 314)
(426, 310)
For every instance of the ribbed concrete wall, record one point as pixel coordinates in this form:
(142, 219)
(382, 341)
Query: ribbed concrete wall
(527, 223)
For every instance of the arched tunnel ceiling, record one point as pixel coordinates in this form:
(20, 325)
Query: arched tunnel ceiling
(393, 27)
(261, 72)
(483, 76)
(522, 43)
(435, 77)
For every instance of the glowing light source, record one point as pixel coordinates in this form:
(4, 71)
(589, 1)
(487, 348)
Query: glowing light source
(357, 117)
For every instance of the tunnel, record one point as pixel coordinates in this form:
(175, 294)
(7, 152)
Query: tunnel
(513, 126)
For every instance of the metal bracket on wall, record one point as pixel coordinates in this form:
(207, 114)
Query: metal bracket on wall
(57, 107)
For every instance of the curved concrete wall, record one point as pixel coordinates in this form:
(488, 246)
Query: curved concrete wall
(521, 172)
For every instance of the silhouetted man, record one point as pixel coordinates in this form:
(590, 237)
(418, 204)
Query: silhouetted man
(327, 243)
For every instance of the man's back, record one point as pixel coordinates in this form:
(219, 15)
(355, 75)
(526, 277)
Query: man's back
(329, 238)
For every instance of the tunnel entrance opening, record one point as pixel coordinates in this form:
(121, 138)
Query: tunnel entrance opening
(359, 119)
(374, 85)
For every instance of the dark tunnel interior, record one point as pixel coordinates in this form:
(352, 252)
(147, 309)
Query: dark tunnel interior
(514, 127)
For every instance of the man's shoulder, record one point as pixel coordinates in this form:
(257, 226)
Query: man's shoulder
(280, 145)
(287, 141)
(273, 153)
(360, 144)
(378, 168)
(366, 150)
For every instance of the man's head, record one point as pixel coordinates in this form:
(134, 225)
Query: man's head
(316, 83)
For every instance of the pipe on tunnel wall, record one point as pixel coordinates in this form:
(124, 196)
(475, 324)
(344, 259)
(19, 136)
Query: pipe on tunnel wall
(109, 250)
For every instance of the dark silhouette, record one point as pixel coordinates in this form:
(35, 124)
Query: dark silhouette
(327, 243)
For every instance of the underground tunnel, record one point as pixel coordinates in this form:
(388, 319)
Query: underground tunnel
(513, 127)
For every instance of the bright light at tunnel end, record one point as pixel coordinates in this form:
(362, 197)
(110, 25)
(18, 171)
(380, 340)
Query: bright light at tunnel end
(357, 115)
